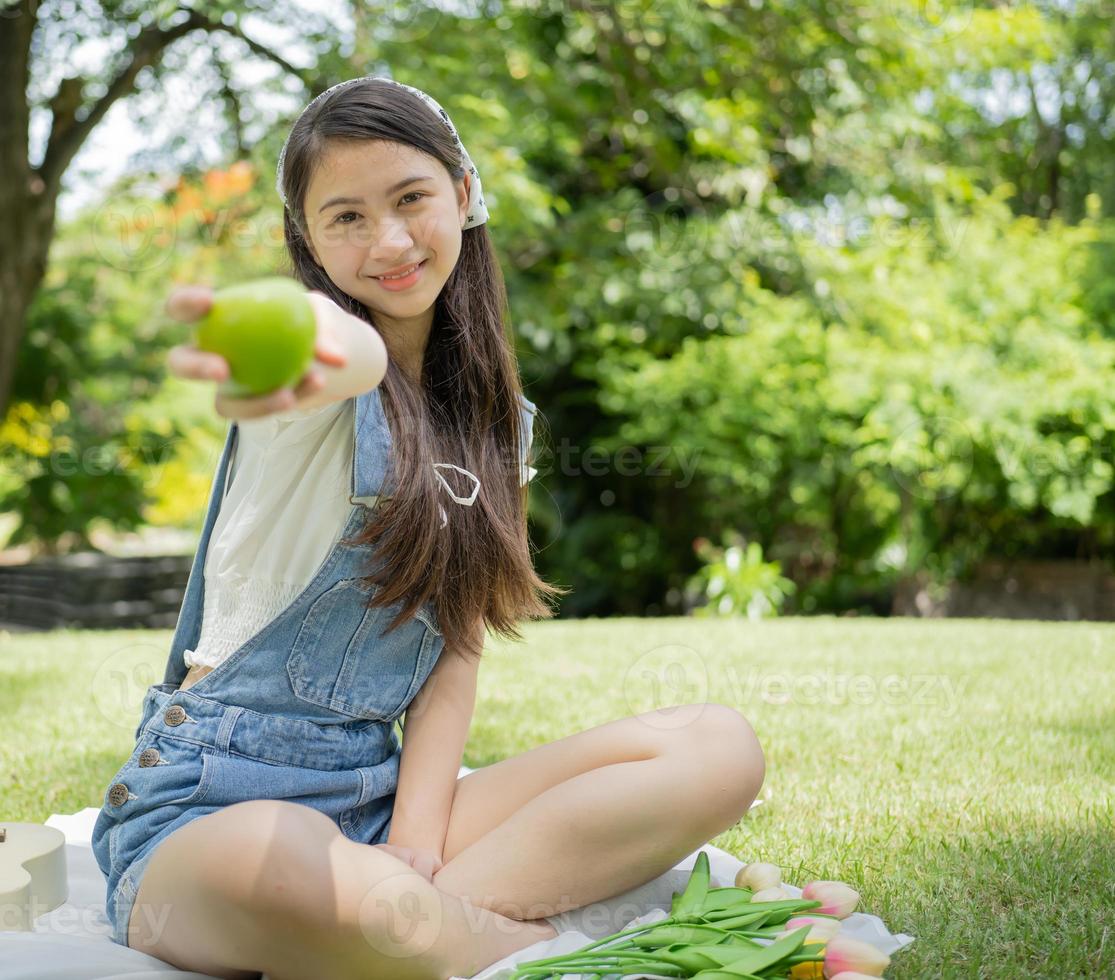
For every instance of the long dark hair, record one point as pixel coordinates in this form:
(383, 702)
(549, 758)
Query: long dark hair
(465, 409)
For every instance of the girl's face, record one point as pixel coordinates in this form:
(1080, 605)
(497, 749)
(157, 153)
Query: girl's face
(363, 222)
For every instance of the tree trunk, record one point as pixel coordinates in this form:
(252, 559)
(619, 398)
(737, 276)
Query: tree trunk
(26, 204)
(22, 264)
(28, 194)
(23, 258)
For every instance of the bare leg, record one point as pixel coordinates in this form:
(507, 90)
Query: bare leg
(273, 886)
(606, 831)
(388, 910)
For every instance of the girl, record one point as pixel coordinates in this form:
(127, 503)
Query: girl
(268, 818)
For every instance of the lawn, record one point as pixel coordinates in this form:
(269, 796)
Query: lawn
(958, 773)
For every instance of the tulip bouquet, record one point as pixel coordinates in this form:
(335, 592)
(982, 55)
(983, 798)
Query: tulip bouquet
(752, 931)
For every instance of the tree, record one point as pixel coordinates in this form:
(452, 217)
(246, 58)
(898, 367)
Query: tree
(29, 192)
(779, 200)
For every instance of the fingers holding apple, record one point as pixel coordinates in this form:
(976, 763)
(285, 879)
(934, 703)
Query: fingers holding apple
(189, 302)
(186, 361)
(186, 304)
(265, 329)
(259, 341)
(327, 344)
(280, 400)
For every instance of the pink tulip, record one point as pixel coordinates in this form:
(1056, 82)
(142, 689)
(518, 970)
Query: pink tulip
(835, 897)
(852, 975)
(844, 954)
(822, 928)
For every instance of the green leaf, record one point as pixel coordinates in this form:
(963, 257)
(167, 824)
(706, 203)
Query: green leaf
(722, 898)
(670, 934)
(759, 959)
(690, 902)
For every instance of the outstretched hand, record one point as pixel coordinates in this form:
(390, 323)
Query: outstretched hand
(189, 303)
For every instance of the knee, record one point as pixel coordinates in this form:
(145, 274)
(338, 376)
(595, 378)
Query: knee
(727, 746)
(301, 884)
(262, 852)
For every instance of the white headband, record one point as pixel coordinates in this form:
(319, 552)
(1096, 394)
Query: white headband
(477, 212)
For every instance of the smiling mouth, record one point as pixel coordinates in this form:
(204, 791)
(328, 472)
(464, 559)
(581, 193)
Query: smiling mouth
(402, 275)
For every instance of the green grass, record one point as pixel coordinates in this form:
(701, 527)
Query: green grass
(970, 802)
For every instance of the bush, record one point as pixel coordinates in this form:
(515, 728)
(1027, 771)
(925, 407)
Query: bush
(940, 403)
(735, 581)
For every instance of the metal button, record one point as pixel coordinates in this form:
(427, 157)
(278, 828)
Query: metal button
(118, 794)
(175, 715)
(149, 757)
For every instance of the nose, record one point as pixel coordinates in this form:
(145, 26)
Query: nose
(390, 239)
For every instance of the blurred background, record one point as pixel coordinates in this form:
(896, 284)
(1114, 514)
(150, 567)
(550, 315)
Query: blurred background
(816, 299)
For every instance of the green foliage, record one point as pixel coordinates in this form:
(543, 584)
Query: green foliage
(789, 269)
(955, 401)
(72, 450)
(98, 436)
(736, 581)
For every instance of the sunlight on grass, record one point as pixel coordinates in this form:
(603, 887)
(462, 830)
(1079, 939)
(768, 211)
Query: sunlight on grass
(957, 773)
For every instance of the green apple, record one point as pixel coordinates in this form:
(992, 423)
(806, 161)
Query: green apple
(265, 329)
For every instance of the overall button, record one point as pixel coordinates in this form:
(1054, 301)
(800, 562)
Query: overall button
(175, 715)
(149, 757)
(118, 795)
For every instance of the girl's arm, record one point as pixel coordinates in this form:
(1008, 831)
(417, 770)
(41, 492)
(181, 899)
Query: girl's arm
(435, 730)
(350, 358)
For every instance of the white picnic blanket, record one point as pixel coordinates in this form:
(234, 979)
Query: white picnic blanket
(73, 942)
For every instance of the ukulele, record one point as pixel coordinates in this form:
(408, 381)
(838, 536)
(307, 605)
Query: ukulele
(32, 874)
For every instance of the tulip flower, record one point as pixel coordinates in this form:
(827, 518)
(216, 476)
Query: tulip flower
(823, 929)
(812, 970)
(835, 897)
(810, 947)
(777, 894)
(844, 954)
(758, 875)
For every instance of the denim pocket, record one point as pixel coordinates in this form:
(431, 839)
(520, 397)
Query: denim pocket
(232, 779)
(343, 659)
(191, 783)
(369, 822)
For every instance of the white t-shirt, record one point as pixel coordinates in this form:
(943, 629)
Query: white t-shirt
(286, 503)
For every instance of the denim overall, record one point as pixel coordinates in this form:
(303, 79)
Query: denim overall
(305, 710)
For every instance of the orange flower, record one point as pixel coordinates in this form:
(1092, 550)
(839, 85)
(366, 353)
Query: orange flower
(187, 200)
(240, 177)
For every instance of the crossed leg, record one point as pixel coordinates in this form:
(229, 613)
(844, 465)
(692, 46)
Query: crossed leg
(274, 887)
(269, 886)
(588, 817)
